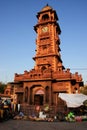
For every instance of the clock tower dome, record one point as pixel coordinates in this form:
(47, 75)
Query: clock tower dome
(47, 41)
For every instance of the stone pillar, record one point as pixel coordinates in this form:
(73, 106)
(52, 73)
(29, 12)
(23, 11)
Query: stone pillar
(44, 99)
(50, 96)
(29, 95)
(24, 96)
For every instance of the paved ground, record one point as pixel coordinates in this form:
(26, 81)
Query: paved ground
(29, 125)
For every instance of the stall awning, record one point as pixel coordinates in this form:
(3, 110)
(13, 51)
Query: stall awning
(73, 100)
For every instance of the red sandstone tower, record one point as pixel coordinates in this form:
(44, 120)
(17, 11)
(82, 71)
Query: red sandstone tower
(48, 78)
(47, 42)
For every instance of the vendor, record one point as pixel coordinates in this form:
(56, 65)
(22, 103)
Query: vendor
(1, 108)
(41, 115)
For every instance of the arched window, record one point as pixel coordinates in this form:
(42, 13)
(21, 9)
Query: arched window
(45, 17)
(26, 94)
(43, 68)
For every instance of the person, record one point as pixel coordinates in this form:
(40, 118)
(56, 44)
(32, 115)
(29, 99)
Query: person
(19, 106)
(41, 115)
(1, 109)
(12, 105)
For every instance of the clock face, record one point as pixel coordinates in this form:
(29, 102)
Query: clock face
(45, 29)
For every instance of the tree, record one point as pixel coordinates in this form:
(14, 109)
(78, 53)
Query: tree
(84, 90)
(2, 87)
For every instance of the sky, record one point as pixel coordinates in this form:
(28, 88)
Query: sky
(17, 35)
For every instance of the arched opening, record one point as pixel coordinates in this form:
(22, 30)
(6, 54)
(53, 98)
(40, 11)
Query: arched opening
(43, 68)
(45, 17)
(26, 94)
(39, 97)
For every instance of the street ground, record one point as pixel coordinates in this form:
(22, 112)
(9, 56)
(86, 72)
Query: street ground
(32, 125)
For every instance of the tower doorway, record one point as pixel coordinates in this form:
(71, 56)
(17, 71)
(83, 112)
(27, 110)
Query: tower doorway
(38, 99)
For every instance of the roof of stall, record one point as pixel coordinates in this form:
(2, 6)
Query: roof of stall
(73, 100)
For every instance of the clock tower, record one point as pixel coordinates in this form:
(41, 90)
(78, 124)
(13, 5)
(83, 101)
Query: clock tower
(42, 84)
(47, 41)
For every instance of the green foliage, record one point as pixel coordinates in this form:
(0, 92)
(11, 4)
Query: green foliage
(84, 90)
(2, 87)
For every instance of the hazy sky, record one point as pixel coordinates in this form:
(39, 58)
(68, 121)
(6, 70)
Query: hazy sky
(17, 36)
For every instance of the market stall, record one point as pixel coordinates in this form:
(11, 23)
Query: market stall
(75, 104)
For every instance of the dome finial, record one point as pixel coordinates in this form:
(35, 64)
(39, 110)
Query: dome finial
(47, 7)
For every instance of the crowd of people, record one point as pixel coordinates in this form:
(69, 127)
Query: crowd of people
(9, 109)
